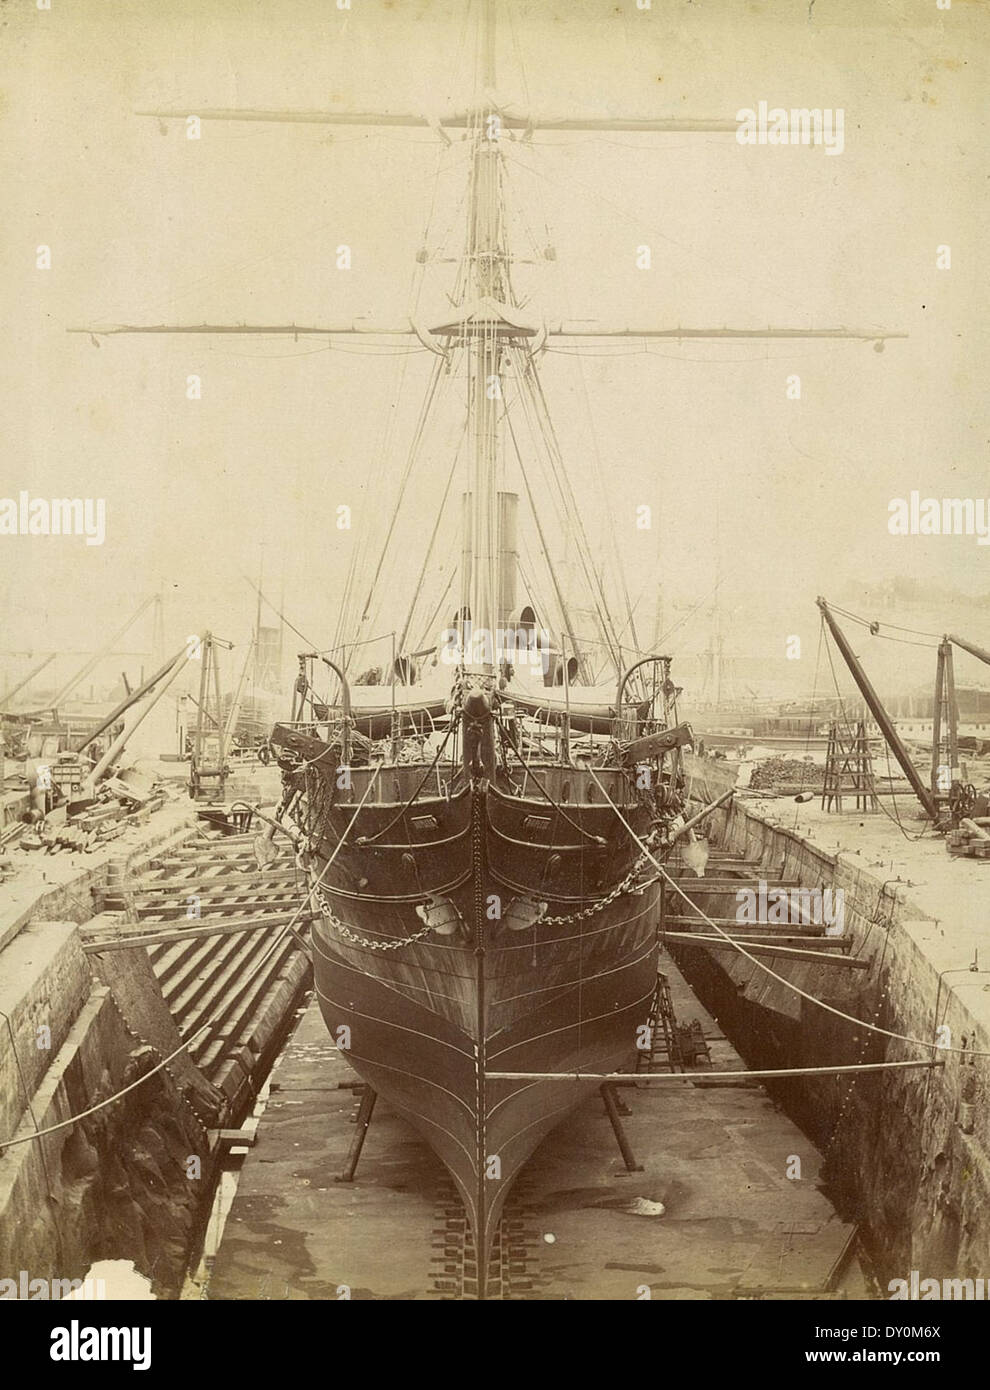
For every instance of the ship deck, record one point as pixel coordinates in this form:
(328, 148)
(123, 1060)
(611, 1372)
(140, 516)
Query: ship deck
(580, 1226)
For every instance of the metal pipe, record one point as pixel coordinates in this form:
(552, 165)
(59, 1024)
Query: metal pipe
(12, 691)
(612, 1111)
(970, 647)
(690, 824)
(345, 700)
(120, 741)
(565, 729)
(131, 699)
(705, 1076)
(879, 713)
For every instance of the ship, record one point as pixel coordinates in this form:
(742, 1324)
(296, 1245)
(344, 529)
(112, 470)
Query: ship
(484, 813)
(482, 908)
(463, 813)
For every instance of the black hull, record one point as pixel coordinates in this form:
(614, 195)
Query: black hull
(428, 1020)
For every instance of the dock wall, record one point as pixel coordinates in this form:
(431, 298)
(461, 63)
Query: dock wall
(124, 1182)
(906, 1153)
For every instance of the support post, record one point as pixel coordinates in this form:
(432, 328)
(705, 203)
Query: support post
(937, 718)
(365, 1111)
(612, 1110)
(951, 716)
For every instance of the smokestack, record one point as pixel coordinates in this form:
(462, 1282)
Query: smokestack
(508, 554)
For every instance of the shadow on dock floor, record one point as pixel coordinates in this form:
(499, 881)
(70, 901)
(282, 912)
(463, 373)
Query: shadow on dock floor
(716, 1158)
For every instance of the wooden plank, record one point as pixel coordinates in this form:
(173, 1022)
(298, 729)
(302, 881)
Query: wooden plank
(239, 1138)
(734, 885)
(767, 928)
(169, 911)
(143, 886)
(718, 943)
(805, 940)
(191, 861)
(124, 943)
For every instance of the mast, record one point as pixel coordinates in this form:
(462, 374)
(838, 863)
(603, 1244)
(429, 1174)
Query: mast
(493, 324)
(486, 280)
(258, 672)
(488, 46)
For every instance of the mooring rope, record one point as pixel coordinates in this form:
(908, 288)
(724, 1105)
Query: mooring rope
(73, 1119)
(788, 984)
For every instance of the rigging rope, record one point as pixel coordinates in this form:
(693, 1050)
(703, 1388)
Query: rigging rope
(788, 984)
(865, 622)
(556, 806)
(592, 574)
(73, 1119)
(539, 424)
(564, 614)
(401, 643)
(438, 377)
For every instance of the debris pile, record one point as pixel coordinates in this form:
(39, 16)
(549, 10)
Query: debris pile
(83, 825)
(970, 841)
(786, 776)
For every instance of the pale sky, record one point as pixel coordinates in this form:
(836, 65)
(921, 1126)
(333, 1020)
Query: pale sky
(241, 225)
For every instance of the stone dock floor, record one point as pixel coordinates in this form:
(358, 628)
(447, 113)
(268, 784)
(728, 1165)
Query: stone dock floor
(717, 1158)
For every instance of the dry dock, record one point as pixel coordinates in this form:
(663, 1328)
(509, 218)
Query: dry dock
(580, 1226)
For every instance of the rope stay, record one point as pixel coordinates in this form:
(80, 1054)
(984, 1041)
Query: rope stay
(788, 984)
(101, 1105)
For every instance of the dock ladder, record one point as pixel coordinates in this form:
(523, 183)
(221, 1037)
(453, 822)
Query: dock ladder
(849, 769)
(664, 1052)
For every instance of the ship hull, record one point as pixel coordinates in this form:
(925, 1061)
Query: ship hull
(427, 1016)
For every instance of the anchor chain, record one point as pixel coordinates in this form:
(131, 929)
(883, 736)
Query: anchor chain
(626, 886)
(349, 935)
